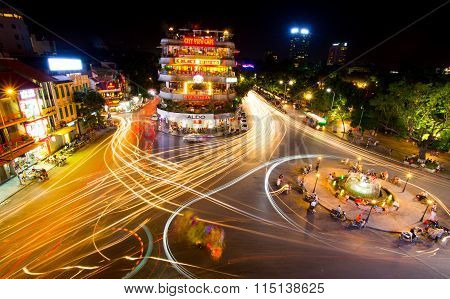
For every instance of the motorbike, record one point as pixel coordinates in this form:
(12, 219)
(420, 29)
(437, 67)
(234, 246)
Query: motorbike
(336, 215)
(408, 237)
(421, 197)
(310, 197)
(357, 224)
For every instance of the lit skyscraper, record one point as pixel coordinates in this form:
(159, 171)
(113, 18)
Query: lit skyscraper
(299, 45)
(337, 54)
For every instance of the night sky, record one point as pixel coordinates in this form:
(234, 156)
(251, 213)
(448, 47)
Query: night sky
(259, 27)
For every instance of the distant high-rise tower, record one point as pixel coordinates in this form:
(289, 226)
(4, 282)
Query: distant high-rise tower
(299, 45)
(337, 54)
(14, 34)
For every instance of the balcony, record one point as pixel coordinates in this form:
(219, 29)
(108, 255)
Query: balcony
(15, 145)
(168, 76)
(217, 44)
(11, 119)
(178, 95)
(224, 60)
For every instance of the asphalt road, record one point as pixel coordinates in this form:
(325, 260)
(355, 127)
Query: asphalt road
(89, 220)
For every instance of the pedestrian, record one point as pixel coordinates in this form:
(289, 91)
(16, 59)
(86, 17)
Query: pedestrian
(300, 181)
(396, 205)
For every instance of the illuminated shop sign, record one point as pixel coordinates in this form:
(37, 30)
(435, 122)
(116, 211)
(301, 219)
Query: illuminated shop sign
(111, 85)
(198, 41)
(197, 61)
(196, 97)
(27, 94)
(231, 80)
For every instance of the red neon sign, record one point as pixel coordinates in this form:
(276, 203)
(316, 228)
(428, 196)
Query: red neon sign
(196, 97)
(198, 41)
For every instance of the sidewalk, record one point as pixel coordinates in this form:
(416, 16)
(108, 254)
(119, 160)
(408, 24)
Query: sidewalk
(408, 215)
(13, 186)
(393, 147)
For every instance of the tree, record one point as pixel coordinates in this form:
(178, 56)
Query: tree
(340, 111)
(92, 103)
(426, 114)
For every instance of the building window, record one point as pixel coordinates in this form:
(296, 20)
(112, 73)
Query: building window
(57, 92)
(61, 115)
(19, 46)
(16, 36)
(1, 25)
(68, 90)
(62, 91)
(13, 26)
(71, 110)
(67, 111)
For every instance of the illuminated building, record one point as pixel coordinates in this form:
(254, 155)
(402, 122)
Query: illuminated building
(41, 105)
(17, 104)
(299, 45)
(14, 34)
(198, 78)
(110, 83)
(337, 54)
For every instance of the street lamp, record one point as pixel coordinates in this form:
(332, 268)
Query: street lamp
(318, 163)
(408, 176)
(290, 82)
(308, 95)
(315, 184)
(373, 202)
(362, 113)
(10, 91)
(334, 94)
(429, 202)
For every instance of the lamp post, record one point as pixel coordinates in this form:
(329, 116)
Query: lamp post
(408, 176)
(290, 82)
(362, 113)
(429, 202)
(315, 184)
(319, 159)
(373, 202)
(334, 94)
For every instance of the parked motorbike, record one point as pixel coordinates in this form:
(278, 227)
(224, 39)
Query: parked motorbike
(357, 224)
(411, 236)
(336, 215)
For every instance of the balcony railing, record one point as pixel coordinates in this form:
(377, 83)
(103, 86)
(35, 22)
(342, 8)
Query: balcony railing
(179, 95)
(198, 55)
(15, 144)
(193, 73)
(11, 119)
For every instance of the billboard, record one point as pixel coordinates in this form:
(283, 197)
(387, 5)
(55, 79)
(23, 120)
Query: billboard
(65, 64)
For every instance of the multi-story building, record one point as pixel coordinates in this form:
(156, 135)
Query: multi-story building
(14, 34)
(337, 54)
(299, 45)
(197, 82)
(110, 83)
(41, 105)
(17, 145)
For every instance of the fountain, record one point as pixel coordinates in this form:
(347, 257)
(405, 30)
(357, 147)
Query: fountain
(359, 184)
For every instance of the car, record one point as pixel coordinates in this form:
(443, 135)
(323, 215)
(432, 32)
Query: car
(243, 120)
(244, 127)
(195, 137)
(155, 117)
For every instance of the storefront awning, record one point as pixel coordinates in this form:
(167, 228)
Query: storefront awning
(63, 131)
